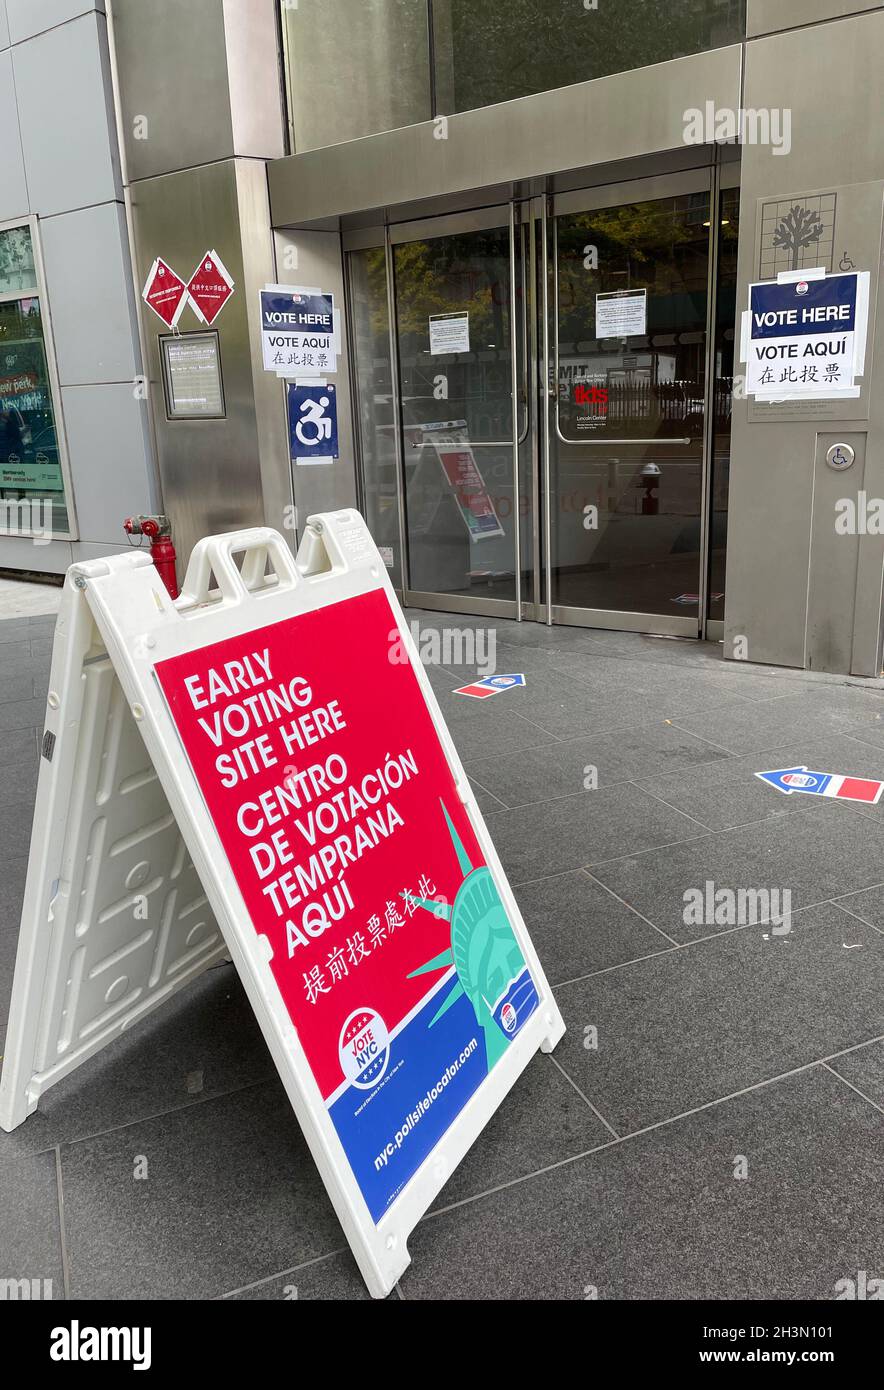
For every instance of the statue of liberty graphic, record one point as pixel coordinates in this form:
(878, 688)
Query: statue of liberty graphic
(490, 967)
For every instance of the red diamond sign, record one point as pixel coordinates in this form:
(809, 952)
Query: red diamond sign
(165, 293)
(210, 288)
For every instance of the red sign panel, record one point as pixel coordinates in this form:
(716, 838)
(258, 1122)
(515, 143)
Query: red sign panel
(165, 293)
(210, 287)
(336, 807)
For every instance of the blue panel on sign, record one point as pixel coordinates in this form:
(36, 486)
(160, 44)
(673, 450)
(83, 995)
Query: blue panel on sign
(313, 422)
(804, 307)
(302, 313)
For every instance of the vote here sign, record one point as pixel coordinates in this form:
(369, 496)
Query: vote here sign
(298, 331)
(335, 806)
(803, 337)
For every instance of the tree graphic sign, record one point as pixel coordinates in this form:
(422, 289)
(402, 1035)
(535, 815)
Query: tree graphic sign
(799, 229)
(797, 233)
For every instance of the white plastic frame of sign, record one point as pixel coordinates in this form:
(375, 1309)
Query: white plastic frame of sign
(116, 624)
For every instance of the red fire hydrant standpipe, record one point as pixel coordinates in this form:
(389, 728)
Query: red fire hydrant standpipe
(158, 530)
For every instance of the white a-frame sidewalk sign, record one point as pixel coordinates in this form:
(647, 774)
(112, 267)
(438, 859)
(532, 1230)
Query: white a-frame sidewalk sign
(260, 770)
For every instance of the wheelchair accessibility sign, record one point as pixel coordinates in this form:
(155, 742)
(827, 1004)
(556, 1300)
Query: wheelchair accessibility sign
(313, 423)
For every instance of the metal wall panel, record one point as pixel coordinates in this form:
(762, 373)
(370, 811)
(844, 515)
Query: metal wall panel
(268, 392)
(20, 553)
(106, 428)
(174, 99)
(770, 16)
(620, 117)
(214, 471)
(254, 79)
(831, 590)
(87, 550)
(206, 79)
(868, 611)
(29, 17)
(13, 186)
(69, 149)
(772, 519)
(89, 278)
(67, 162)
(325, 487)
(199, 82)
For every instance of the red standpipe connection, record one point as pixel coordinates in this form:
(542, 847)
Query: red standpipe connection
(158, 530)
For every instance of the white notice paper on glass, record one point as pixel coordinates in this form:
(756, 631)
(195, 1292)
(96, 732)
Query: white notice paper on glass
(623, 314)
(449, 333)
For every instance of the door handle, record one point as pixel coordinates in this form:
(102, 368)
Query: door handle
(599, 443)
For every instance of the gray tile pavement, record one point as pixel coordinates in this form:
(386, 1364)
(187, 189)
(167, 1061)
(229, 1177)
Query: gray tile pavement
(621, 779)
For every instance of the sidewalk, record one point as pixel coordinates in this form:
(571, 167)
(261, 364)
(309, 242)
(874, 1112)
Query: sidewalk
(19, 600)
(694, 1052)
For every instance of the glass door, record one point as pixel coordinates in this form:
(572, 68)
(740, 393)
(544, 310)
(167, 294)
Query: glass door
(625, 477)
(460, 348)
(543, 402)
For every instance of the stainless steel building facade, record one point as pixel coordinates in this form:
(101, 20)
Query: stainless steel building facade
(507, 170)
(75, 447)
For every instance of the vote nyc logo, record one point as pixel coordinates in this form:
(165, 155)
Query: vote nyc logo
(364, 1048)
